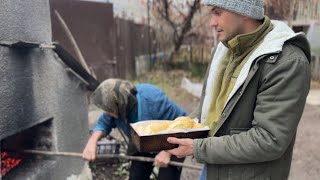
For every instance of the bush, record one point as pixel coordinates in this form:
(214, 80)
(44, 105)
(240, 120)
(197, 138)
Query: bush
(195, 70)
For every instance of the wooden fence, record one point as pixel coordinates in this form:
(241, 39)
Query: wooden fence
(108, 44)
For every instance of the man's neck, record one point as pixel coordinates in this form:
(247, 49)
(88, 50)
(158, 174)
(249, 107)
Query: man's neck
(251, 25)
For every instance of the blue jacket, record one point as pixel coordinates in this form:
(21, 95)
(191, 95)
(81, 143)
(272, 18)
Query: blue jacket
(153, 104)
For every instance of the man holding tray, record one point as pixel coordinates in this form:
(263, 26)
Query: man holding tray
(253, 96)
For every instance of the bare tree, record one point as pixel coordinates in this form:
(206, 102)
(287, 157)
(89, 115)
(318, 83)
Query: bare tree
(177, 17)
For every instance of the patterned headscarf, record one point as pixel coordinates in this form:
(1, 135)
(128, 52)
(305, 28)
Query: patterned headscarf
(115, 96)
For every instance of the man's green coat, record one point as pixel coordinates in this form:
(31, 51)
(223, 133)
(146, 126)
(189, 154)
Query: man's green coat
(255, 134)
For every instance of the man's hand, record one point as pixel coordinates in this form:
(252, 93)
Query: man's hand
(162, 159)
(185, 147)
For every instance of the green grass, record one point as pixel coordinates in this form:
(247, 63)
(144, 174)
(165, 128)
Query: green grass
(169, 82)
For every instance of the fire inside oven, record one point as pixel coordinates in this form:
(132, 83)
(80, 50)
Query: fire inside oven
(8, 162)
(38, 137)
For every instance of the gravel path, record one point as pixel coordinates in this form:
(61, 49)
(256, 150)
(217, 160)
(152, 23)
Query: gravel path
(306, 156)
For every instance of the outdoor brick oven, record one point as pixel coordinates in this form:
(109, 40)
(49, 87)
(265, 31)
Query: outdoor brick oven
(43, 95)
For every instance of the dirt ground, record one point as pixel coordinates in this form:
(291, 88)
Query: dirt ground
(306, 156)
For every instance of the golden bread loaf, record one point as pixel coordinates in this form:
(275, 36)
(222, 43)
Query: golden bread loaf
(182, 122)
(197, 125)
(155, 127)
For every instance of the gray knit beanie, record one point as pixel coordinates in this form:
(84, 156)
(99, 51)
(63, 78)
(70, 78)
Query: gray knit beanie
(250, 8)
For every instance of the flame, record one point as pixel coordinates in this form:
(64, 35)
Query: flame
(8, 162)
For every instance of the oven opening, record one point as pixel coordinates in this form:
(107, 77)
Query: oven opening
(13, 158)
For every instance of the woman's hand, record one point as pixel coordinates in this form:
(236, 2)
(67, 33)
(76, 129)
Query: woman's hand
(162, 159)
(89, 152)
